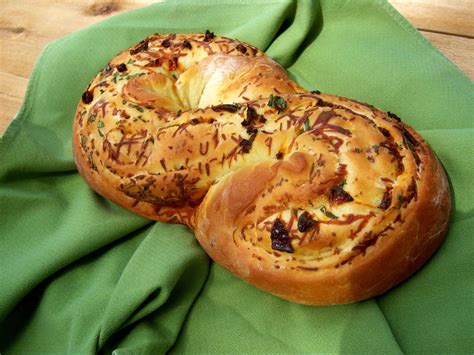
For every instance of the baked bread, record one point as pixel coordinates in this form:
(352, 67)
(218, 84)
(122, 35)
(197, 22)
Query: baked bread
(315, 198)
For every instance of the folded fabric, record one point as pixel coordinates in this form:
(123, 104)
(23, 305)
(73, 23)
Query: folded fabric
(82, 275)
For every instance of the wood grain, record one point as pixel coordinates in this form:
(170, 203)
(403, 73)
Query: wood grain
(460, 50)
(447, 24)
(455, 17)
(26, 26)
(25, 30)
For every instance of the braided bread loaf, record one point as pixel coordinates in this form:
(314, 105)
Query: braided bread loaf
(315, 198)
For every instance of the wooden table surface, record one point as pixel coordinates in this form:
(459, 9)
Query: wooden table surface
(26, 26)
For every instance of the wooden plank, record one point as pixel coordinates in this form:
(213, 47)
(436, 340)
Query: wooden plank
(12, 92)
(442, 16)
(26, 26)
(24, 31)
(459, 50)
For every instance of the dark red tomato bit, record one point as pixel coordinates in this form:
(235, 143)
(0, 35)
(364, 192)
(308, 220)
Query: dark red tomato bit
(208, 36)
(187, 44)
(394, 116)
(279, 155)
(384, 131)
(252, 130)
(241, 48)
(155, 63)
(386, 199)
(305, 222)
(251, 114)
(166, 43)
(142, 46)
(87, 97)
(173, 63)
(338, 195)
(122, 67)
(246, 144)
(280, 237)
(408, 138)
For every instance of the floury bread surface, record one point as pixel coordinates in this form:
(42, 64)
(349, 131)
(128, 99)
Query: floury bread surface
(315, 198)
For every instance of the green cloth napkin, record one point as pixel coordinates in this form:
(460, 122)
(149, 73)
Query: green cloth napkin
(81, 275)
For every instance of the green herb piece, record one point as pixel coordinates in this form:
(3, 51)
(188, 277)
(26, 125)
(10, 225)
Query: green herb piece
(136, 107)
(328, 213)
(401, 200)
(129, 76)
(306, 126)
(114, 77)
(124, 102)
(83, 140)
(277, 102)
(100, 124)
(140, 117)
(92, 118)
(376, 148)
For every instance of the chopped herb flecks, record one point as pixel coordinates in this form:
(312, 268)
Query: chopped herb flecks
(306, 125)
(277, 102)
(328, 213)
(114, 77)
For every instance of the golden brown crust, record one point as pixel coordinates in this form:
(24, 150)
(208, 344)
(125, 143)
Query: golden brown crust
(315, 198)
(394, 256)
